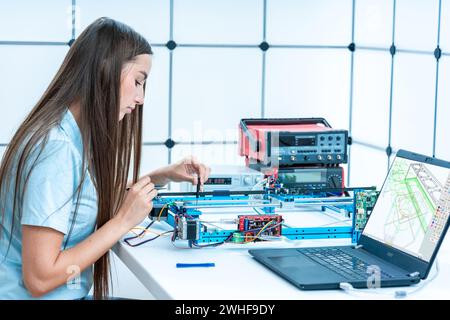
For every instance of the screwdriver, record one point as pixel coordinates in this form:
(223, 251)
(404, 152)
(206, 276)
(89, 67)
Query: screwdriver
(197, 194)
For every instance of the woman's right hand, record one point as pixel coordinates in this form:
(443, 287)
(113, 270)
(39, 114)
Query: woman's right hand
(138, 202)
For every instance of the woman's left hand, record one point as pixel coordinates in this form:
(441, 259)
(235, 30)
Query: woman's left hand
(188, 169)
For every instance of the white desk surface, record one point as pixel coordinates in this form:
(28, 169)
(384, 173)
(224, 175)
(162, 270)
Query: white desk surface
(237, 275)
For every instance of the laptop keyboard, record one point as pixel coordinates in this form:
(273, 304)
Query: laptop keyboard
(340, 262)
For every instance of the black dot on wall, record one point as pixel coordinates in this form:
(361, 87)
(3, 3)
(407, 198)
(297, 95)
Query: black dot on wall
(264, 46)
(392, 49)
(351, 47)
(437, 53)
(169, 143)
(171, 45)
(389, 151)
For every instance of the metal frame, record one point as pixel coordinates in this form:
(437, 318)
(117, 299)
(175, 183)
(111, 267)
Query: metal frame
(273, 201)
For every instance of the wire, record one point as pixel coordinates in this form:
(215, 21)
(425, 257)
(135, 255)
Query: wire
(258, 236)
(286, 225)
(161, 211)
(425, 282)
(145, 230)
(263, 181)
(270, 238)
(145, 241)
(253, 198)
(261, 230)
(398, 294)
(257, 211)
(216, 244)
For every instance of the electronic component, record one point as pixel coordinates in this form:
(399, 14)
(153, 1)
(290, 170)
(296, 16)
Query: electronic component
(188, 229)
(237, 237)
(185, 213)
(291, 142)
(252, 225)
(364, 203)
(294, 179)
(228, 177)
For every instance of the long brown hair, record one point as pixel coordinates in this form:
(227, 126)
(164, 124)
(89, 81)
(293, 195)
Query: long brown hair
(89, 75)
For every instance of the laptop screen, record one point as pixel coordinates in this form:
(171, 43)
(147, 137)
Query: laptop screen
(412, 208)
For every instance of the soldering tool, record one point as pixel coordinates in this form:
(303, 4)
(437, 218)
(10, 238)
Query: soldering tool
(198, 187)
(197, 193)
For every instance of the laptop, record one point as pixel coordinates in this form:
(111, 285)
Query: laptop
(399, 243)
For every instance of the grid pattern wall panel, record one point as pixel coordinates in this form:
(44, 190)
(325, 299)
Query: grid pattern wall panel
(218, 22)
(371, 97)
(304, 22)
(213, 89)
(443, 114)
(315, 83)
(373, 23)
(375, 67)
(26, 73)
(416, 26)
(369, 166)
(150, 18)
(26, 20)
(156, 113)
(413, 114)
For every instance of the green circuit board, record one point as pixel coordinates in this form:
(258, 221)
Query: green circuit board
(364, 203)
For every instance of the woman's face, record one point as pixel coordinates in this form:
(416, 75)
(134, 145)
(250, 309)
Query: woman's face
(134, 75)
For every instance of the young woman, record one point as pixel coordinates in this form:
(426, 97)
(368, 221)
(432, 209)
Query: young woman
(64, 200)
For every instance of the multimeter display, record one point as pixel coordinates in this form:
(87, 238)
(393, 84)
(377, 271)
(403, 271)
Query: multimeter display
(218, 181)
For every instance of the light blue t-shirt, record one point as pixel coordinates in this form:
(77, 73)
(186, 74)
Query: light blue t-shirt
(49, 201)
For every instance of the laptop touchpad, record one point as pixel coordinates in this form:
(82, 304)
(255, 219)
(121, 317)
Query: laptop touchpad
(292, 261)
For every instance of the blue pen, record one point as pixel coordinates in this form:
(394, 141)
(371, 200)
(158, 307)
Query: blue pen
(195, 265)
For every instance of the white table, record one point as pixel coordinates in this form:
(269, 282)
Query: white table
(237, 275)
